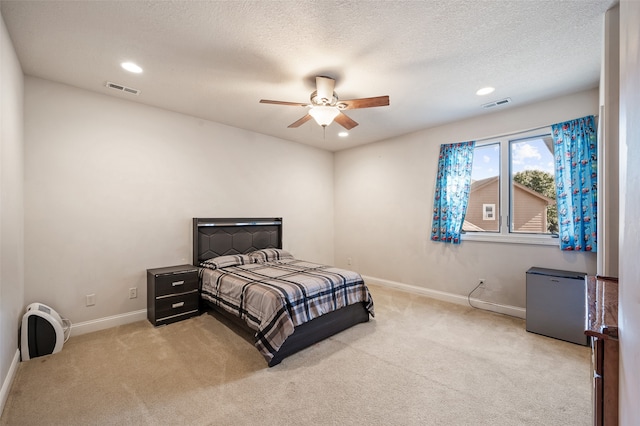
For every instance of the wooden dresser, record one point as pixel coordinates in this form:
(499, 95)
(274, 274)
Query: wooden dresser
(602, 326)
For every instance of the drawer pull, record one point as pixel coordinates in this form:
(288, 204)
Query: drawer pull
(177, 283)
(178, 305)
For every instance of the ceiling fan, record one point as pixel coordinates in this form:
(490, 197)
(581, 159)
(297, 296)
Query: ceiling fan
(325, 106)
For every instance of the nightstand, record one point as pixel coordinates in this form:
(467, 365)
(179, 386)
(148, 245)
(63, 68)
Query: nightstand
(172, 294)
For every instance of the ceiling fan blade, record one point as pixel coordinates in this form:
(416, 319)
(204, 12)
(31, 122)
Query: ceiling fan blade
(324, 88)
(267, 101)
(300, 122)
(365, 102)
(345, 121)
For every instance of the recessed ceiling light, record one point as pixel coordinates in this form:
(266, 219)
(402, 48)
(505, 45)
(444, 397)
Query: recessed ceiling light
(343, 134)
(485, 91)
(131, 67)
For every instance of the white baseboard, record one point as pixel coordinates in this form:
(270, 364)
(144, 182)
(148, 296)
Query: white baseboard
(107, 322)
(513, 311)
(8, 380)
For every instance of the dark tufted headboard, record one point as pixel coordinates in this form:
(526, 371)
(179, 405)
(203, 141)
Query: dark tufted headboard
(222, 236)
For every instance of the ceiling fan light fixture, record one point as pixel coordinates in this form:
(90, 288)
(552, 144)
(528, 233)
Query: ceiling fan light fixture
(324, 115)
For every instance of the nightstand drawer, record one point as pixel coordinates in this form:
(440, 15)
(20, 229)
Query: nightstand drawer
(176, 304)
(176, 283)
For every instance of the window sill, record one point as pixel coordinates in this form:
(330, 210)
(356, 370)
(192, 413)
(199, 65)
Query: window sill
(541, 240)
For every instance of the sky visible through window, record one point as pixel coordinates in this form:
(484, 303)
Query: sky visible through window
(528, 154)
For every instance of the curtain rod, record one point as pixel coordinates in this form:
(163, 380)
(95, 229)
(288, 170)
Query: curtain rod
(521, 131)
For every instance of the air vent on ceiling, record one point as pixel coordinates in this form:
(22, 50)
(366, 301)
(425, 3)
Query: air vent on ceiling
(497, 103)
(122, 88)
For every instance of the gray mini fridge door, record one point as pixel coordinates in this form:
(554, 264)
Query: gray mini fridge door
(556, 304)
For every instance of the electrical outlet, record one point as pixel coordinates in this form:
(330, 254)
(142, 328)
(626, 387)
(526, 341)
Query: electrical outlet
(348, 261)
(91, 299)
(481, 281)
(133, 292)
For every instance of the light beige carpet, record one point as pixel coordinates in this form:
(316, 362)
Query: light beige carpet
(419, 362)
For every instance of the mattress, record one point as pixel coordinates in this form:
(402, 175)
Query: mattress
(272, 292)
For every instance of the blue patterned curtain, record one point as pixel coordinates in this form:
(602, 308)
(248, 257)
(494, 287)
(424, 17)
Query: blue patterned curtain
(453, 183)
(576, 155)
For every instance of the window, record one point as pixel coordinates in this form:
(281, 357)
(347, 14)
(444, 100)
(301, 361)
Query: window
(532, 185)
(488, 212)
(485, 190)
(513, 187)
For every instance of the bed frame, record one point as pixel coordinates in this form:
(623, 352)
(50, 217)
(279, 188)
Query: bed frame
(223, 236)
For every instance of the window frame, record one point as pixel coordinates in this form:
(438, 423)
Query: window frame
(505, 235)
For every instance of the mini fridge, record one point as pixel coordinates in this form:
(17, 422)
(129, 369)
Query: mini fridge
(556, 304)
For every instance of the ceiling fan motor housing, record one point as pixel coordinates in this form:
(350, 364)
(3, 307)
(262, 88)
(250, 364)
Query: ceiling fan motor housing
(318, 101)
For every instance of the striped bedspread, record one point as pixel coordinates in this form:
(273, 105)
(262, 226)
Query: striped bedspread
(275, 296)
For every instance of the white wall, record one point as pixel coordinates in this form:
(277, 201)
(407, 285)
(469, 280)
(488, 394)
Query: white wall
(384, 198)
(629, 314)
(111, 188)
(11, 208)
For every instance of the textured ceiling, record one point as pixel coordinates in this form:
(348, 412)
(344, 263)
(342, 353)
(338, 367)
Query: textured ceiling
(216, 59)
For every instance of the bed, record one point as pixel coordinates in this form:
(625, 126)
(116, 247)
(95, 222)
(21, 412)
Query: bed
(288, 303)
